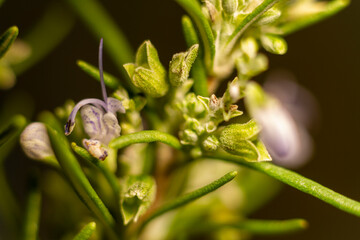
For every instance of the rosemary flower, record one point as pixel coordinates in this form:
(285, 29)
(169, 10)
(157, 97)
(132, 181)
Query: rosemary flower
(99, 118)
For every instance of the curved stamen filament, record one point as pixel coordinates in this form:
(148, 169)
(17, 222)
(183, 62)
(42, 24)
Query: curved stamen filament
(101, 72)
(71, 120)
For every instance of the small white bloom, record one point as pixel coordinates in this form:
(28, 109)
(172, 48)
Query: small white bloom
(35, 141)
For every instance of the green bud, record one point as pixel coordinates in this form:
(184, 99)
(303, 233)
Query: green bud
(274, 44)
(249, 47)
(269, 16)
(229, 6)
(195, 125)
(239, 132)
(251, 151)
(211, 143)
(255, 96)
(180, 65)
(247, 68)
(138, 194)
(147, 73)
(245, 149)
(188, 137)
(240, 139)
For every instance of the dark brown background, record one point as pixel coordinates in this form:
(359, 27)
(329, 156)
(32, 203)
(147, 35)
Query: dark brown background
(324, 58)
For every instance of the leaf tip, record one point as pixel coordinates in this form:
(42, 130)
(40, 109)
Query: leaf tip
(233, 174)
(303, 223)
(92, 225)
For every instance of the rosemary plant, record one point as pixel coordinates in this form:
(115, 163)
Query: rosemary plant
(151, 160)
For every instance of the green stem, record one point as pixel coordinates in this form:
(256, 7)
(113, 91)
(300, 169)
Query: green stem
(258, 227)
(198, 69)
(9, 137)
(110, 177)
(181, 201)
(248, 20)
(93, 71)
(86, 232)
(99, 22)
(72, 169)
(48, 33)
(32, 213)
(331, 8)
(297, 181)
(193, 8)
(145, 137)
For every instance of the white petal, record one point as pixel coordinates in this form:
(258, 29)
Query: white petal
(93, 122)
(287, 142)
(115, 105)
(112, 127)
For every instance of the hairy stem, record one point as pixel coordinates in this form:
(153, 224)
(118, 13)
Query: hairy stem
(146, 136)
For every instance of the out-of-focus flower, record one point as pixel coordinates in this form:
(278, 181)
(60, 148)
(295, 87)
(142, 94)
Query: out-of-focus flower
(99, 118)
(287, 141)
(35, 142)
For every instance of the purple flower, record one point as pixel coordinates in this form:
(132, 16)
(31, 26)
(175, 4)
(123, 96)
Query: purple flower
(287, 140)
(99, 118)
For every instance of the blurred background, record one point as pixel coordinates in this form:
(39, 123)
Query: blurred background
(324, 58)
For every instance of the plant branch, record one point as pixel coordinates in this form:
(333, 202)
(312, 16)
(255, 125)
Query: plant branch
(297, 181)
(181, 201)
(198, 69)
(248, 20)
(146, 136)
(258, 227)
(194, 10)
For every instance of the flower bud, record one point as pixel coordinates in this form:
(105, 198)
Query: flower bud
(239, 132)
(189, 137)
(138, 193)
(241, 139)
(269, 16)
(35, 142)
(274, 44)
(229, 6)
(211, 143)
(147, 73)
(180, 65)
(249, 46)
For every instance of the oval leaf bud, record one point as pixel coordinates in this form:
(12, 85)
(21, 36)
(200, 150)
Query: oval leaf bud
(229, 6)
(240, 132)
(147, 73)
(35, 142)
(274, 44)
(211, 143)
(180, 65)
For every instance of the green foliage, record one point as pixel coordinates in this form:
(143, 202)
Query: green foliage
(161, 120)
(86, 232)
(7, 38)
